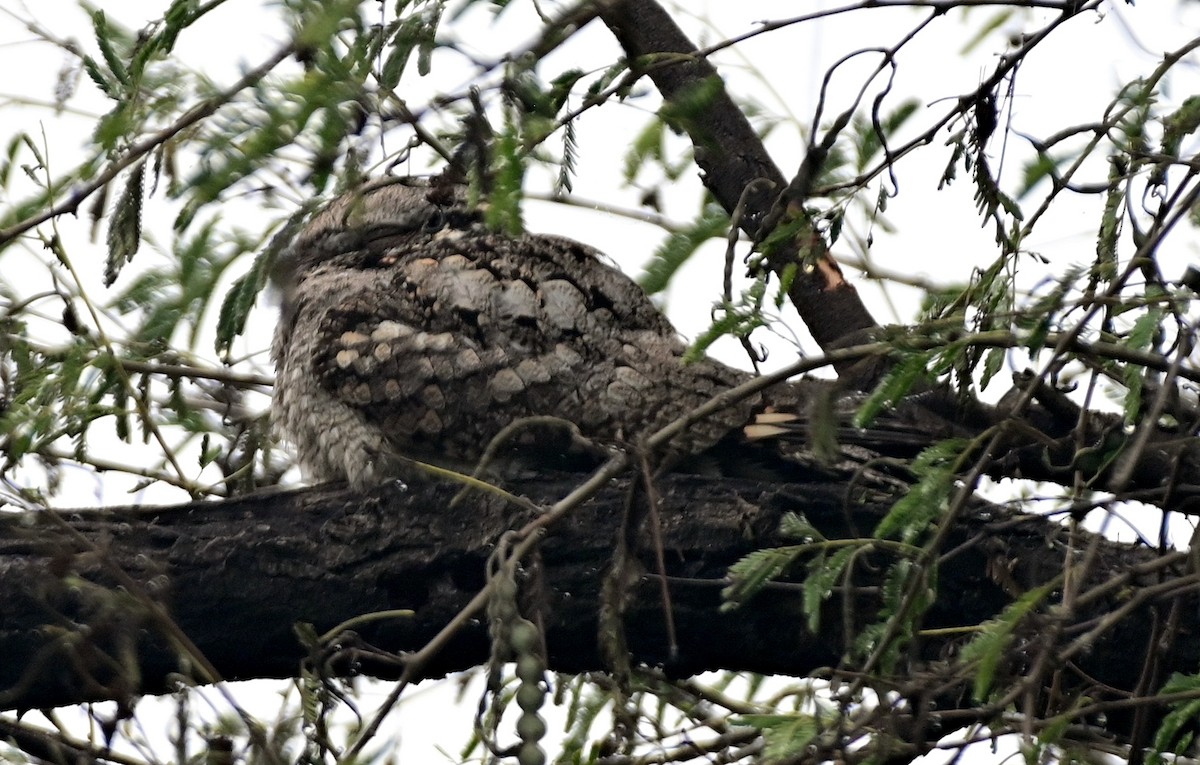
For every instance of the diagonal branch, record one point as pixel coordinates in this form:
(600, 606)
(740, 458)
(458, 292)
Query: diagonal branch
(736, 168)
(139, 150)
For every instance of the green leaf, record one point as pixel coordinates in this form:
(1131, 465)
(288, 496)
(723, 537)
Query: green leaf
(1144, 328)
(1010, 206)
(682, 112)
(1176, 732)
(125, 228)
(10, 157)
(823, 424)
(951, 172)
(416, 32)
(786, 736)
(993, 361)
(753, 572)
(561, 87)
(739, 320)
(1131, 407)
(426, 45)
(648, 144)
(1040, 167)
(504, 204)
(997, 20)
(179, 16)
(824, 571)
(586, 706)
(96, 75)
(990, 644)
(896, 616)
(947, 452)
(566, 168)
(868, 142)
(114, 128)
(1135, 100)
(712, 222)
(796, 526)
(911, 516)
(1110, 225)
(235, 308)
(107, 39)
(1180, 124)
(893, 387)
(787, 277)
(607, 78)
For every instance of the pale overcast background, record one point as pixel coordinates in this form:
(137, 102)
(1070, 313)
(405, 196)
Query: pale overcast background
(1067, 81)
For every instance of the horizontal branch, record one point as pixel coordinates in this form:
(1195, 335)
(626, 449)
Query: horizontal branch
(238, 576)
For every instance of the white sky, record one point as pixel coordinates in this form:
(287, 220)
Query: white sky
(1069, 80)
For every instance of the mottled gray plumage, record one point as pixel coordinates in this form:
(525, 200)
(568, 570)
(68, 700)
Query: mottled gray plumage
(407, 328)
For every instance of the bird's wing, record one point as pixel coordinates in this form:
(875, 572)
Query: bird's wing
(441, 353)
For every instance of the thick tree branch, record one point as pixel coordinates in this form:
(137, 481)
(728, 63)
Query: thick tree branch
(735, 165)
(237, 576)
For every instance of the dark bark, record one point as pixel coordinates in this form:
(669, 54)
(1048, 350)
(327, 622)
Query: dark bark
(733, 163)
(237, 576)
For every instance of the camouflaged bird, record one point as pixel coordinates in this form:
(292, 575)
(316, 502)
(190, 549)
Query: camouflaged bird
(409, 331)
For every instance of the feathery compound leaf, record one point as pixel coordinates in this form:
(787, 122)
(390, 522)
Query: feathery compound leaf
(867, 139)
(824, 571)
(992, 641)
(787, 277)
(10, 158)
(796, 526)
(647, 145)
(179, 16)
(1110, 224)
(504, 203)
(893, 387)
(1134, 384)
(942, 454)
(910, 517)
(682, 112)
(1009, 204)
(1140, 337)
(107, 39)
(1176, 732)
(1180, 124)
(584, 708)
(566, 168)
(238, 302)
(1142, 334)
(681, 245)
(950, 174)
(416, 32)
(125, 228)
(97, 76)
(244, 291)
(561, 87)
(751, 573)
(993, 361)
(898, 615)
(734, 321)
(786, 736)
(823, 424)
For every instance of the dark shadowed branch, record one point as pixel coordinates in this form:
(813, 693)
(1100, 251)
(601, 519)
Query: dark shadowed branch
(239, 576)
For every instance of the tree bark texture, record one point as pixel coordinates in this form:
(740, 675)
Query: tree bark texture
(737, 169)
(237, 577)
